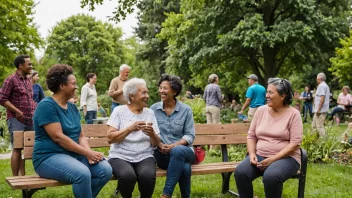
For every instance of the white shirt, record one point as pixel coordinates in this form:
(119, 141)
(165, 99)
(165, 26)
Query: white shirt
(89, 97)
(322, 90)
(346, 99)
(136, 146)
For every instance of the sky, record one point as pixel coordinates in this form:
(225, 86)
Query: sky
(49, 12)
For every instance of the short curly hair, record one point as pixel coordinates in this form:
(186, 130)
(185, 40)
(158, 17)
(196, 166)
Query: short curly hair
(175, 82)
(58, 75)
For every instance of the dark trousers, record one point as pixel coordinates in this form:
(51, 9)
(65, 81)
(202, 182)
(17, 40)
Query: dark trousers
(273, 177)
(127, 174)
(308, 109)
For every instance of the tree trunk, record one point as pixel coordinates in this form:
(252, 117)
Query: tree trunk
(270, 63)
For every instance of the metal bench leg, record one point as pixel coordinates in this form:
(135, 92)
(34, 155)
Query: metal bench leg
(29, 192)
(226, 184)
(301, 186)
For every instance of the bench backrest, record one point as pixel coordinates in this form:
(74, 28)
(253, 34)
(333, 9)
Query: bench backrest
(206, 134)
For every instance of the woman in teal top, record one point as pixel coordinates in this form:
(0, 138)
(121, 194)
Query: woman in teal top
(61, 151)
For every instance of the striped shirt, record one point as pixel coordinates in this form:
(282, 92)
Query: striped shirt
(18, 90)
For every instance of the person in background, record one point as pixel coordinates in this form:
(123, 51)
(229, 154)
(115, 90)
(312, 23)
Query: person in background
(235, 107)
(213, 98)
(255, 96)
(132, 133)
(89, 97)
(101, 110)
(307, 97)
(343, 102)
(16, 95)
(189, 95)
(273, 143)
(116, 87)
(321, 105)
(38, 93)
(175, 152)
(61, 151)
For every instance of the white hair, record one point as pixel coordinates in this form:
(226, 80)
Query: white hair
(322, 76)
(130, 87)
(123, 66)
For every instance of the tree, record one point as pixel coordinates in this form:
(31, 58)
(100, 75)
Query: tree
(262, 37)
(18, 33)
(342, 62)
(151, 15)
(89, 46)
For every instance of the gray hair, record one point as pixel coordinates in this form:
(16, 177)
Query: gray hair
(212, 78)
(123, 66)
(322, 76)
(283, 86)
(130, 87)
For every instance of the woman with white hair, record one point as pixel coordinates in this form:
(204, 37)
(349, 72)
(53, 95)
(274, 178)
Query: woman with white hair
(132, 141)
(213, 98)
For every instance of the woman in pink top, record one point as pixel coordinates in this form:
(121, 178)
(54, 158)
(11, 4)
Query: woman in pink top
(273, 142)
(343, 101)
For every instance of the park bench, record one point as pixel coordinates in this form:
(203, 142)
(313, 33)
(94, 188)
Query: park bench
(206, 134)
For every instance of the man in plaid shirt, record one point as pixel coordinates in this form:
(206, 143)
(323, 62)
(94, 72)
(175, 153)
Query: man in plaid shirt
(16, 96)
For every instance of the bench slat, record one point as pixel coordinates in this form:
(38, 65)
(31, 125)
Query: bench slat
(34, 181)
(221, 129)
(18, 139)
(95, 130)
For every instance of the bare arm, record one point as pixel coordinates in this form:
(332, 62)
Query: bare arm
(55, 132)
(245, 105)
(8, 105)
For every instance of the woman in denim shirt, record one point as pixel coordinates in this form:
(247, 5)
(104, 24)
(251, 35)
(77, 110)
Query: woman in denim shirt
(176, 125)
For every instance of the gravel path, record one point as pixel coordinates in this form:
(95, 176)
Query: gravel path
(5, 156)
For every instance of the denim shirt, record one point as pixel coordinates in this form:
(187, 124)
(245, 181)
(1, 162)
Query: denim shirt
(179, 125)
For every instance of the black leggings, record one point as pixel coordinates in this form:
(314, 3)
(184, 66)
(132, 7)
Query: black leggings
(128, 173)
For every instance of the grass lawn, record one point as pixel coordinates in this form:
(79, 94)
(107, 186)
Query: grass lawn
(323, 180)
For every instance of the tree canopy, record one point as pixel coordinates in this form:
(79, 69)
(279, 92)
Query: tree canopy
(88, 45)
(342, 62)
(18, 33)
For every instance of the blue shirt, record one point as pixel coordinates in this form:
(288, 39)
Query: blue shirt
(179, 125)
(38, 93)
(256, 93)
(48, 111)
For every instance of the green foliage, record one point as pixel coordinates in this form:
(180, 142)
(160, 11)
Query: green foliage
(105, 101)
(319, 149)
(89, 46)
(342, 62)
(198, 107)
(5, 140)
(18, 33)
(234, 38)
(226, 115)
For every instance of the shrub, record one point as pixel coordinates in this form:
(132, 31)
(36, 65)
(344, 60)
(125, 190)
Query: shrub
(198, 107)
(5, 137)
(226, 115)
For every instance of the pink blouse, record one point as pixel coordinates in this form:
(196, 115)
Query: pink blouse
(274, 134)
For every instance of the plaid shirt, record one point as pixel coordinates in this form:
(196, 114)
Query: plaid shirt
(212, 95)
(18, 90)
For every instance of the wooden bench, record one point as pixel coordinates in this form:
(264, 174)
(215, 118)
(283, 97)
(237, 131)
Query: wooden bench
(206, 134)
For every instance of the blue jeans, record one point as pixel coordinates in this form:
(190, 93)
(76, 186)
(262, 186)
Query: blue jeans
(90, 116)
(274, 176)
(308, 108)
(86, 179)
(178, 161)
(113, 105)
